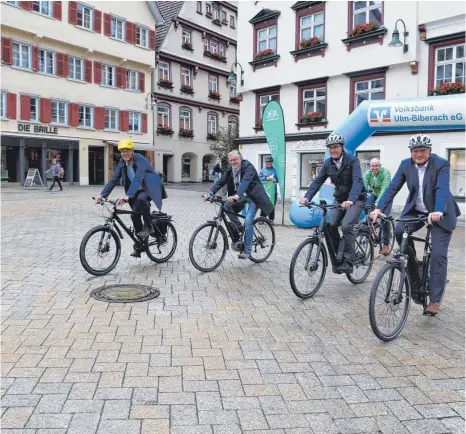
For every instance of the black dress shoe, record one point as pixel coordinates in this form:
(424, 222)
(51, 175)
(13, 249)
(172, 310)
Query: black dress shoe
(345, 268)
(135, 254)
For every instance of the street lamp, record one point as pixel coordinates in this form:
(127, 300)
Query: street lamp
(232, 78)
(395, 42)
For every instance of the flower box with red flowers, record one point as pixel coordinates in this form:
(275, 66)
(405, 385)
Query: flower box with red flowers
(310, 42)
(311, 117)
(216, 56)
(186, 88)
(360, 29)
(187, 46)
(186, 133)
(214, 95)
(236, 99)
(264, 53)
(164, 130)
(448, 88)
(167, 84)
(211, 136)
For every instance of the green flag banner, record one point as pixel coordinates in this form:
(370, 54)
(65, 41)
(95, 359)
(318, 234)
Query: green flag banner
(270, 190)
(273, 123)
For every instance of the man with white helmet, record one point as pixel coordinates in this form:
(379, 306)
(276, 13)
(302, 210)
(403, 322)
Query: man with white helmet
(428, 180)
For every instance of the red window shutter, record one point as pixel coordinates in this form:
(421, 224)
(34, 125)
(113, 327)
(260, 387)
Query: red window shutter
(35, 58)
(119, 79)
(73, 114)
(123, 78)
(142, 82)
(11, 105)
(7, 51)
(99, 118)
(57, 10)
(45, 110)
(25, 110)
(97, 21)
(88, 71)
(129, 32)
(73, 12)
(107, 25)
(60, 64)
(66, 65)
(144, 123)
(97, 72)
(124, 120)
(26, 5)
(152, 39)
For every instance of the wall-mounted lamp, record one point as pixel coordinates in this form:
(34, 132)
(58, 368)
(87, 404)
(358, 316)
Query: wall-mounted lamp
(232, 78)
(395, 42)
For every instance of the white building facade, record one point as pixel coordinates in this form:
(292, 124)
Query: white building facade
(195, 50)
(302, 55)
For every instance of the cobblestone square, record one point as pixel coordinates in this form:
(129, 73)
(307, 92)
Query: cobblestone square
(232, 351)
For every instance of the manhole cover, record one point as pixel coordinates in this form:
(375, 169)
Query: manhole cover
(125, 293)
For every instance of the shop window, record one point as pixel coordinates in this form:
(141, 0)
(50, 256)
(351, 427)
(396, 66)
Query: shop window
(457, 160)
(310, 166)
(365, 157)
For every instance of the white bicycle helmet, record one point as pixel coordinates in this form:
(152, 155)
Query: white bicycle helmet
(420, 141)
(335, 139)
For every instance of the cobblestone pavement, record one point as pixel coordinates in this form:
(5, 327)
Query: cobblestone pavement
(229, 352)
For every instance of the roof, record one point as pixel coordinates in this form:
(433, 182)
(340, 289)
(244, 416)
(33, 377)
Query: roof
(169, 11)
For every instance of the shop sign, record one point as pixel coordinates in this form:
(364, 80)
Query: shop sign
(38, 129)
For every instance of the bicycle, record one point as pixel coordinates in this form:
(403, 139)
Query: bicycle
(211, 239)
(304, 260)
(97, 242)
(406, 278)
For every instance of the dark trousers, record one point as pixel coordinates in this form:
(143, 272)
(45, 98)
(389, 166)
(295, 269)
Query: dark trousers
(55, 179)
(272, 214)
(141, 204)
(386, 226)
(440, 240)
(348, 218)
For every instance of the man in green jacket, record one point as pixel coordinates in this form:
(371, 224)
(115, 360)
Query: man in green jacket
(376, 180)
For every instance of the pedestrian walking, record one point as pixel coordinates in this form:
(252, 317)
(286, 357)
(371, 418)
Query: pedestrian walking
(57, 173)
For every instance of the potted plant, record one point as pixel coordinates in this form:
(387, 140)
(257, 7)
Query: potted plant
(187, 46)
(164, 130)
(310, 42)
(186, 88)
(214, 95)
(258, 123)
(211, 136)
(264, 53)
(186, 133)
(310, 117)
(360, 29)
(165, 82)
(236, 99)
(448, 88)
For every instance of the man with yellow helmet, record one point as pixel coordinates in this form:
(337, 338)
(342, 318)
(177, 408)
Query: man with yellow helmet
(142, 184)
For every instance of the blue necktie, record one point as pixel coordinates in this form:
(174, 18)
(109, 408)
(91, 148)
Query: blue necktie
(130, 171)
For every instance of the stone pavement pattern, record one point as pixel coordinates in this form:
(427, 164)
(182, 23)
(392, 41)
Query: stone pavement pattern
(229, 352)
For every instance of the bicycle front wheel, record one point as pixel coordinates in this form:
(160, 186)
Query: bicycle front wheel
(363, 258)
(163, 248)
(208, 247)
(308, 268)
(388, 309)
(100, 251)
(263, 241)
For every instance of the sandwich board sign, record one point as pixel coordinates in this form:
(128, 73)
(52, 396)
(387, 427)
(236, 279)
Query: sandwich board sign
(32, 178)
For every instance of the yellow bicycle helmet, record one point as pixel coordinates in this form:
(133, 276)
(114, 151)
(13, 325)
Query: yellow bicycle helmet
(125, 144)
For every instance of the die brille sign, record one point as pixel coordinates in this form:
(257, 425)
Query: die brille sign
(37, 129)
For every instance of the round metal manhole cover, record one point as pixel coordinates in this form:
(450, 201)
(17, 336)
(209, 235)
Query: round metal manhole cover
(125, 293)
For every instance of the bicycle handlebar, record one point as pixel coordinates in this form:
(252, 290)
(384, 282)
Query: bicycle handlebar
(103, 200)
(418, 219)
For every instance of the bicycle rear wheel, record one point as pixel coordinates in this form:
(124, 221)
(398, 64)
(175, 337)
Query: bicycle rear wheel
(208, 247)
(388, 312)
(306, 273)
(163, 248)
(363, 258)
(263, 241)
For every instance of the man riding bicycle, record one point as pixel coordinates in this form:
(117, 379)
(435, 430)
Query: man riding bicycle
(243, 183)
(428, 179)
(142, 184)
(345, 172)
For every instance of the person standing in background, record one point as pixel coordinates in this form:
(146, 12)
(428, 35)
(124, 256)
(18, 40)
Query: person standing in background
(269, 173)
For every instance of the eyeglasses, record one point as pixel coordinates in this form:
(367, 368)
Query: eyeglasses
(233, 160)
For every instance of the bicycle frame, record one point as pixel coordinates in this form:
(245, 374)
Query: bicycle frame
(221, 217)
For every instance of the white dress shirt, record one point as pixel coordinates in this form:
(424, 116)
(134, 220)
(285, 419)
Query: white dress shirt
(420, 206)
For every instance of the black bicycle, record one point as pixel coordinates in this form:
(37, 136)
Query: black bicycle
(310, 260)
(401, 279)
(101, 247)
(209, 243)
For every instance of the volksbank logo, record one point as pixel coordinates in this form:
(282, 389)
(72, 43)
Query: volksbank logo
(380, 115)
(272, 115)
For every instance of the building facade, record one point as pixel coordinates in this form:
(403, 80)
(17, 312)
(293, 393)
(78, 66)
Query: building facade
(311, 57)
(195, 50)
(75, 80)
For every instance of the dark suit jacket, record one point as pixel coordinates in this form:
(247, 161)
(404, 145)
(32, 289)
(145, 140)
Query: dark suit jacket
(347, 179)
(250, 184)
(436, 189)
(145, 178)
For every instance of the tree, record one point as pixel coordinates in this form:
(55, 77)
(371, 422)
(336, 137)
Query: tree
(224, 143)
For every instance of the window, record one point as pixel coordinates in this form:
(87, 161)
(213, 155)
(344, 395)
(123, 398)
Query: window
(264, 99)
(199, 7)
(14, 3)
(186, 37)
(263, 157)
(3, 106)
(186, 76)
(34, 107)
(212, 120)
(206, 44)
(313, 100)
(450, 64)
(224, 17)
(86, 116)
(163, 116)
(368, 90)
(135, 122)
(43, 7)
(310, 167)
(233, 124)
(312, 25)
(213, 47)
(208, 9)
(367, 12)
(365, 157)
(457, 160)
(111, 119)
(118, 28)
(76, 71)
(164, 71)
(213, 83)
(232, 21)
(267, 38)
(216, 13)
(185, 118)
(108, 75)
(222, 50)
(142, 37)
(85, 14)
(59, 112)
(46, 61)
(22, 55)
(132, 79)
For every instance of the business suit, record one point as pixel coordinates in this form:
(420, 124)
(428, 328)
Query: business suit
(437, 197)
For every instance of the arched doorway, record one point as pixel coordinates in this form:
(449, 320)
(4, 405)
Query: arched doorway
(208, 163)
(189, 171)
